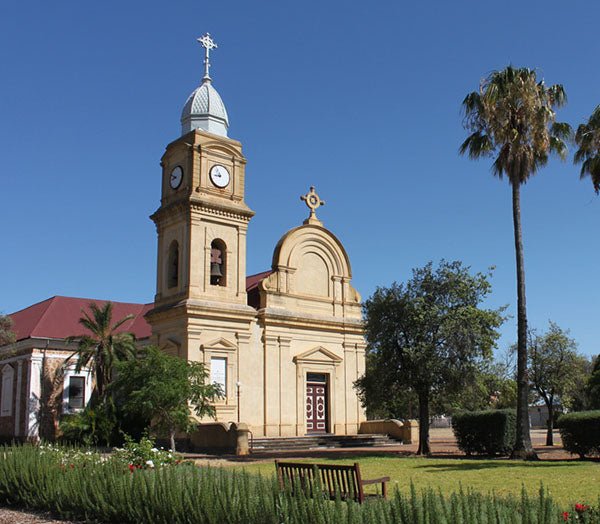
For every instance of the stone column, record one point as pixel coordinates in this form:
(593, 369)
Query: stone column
(272, 385)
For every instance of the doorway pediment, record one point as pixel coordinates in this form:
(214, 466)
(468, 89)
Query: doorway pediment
(318, 354)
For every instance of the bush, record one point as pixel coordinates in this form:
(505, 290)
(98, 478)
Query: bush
(490, 432)
(100, 490)
(580, 432)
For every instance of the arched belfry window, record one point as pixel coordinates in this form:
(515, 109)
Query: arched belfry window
(173, 265)
(218, 263)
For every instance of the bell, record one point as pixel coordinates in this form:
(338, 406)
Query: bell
(215, 270)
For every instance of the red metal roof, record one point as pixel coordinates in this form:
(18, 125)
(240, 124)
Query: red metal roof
(58, 317)
(253, 280)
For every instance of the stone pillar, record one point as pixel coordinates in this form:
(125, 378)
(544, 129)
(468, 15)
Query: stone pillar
(272, 392)
(242, 446)
(411, 431)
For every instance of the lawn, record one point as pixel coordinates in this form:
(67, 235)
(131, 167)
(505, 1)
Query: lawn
(567, 481)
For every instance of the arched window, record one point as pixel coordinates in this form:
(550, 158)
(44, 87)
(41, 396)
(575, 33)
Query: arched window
(6, 399)
(173, 265)
(218, 263)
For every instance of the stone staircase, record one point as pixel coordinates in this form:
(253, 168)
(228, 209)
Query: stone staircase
(319, 442)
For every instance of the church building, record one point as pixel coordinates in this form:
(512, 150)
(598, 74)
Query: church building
(286, 344)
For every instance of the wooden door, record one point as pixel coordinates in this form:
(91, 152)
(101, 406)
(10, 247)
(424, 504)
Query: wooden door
(317, 407)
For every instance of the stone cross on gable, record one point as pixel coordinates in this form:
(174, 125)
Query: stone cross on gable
(313, 201)
(207, 43)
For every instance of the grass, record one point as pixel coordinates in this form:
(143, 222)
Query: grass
(568, 482)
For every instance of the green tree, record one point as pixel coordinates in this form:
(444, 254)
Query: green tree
(593, 385)
(161, 388)
(490, 387)
(587, 138)
(553, 368)
(6, 334)
(512, 118)
(428, 335)
(102, 347)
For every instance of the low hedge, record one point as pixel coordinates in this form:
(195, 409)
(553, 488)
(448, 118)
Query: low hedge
(490, 432)
(580, 432)
(104, 492)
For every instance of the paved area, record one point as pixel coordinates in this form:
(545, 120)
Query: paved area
(13, 516)
(443, 444)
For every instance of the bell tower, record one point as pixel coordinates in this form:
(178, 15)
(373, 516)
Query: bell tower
(201, 224)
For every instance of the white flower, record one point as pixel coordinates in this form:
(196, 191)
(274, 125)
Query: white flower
(149, 463)
(154, 450)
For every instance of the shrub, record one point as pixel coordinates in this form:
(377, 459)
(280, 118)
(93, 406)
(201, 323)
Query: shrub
(580, 432)
(143, 454)
(105, 491)
(490, 432)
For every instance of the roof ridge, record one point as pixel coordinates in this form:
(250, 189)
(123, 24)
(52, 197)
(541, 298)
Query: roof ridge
(33, 305)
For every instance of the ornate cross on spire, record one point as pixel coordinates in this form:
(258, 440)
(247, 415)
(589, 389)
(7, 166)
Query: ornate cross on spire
(207, 43)
(313, 201)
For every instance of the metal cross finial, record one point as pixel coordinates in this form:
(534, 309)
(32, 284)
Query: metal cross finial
(207, 43)
(313, 201)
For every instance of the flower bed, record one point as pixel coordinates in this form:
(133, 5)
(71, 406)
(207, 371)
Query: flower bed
(84, 485)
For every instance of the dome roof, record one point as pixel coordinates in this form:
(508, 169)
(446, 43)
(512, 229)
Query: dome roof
(205, 110)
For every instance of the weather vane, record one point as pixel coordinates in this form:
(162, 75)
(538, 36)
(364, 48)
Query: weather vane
(207, 43)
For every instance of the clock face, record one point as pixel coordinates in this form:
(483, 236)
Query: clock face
(219, 176)
(176, 177)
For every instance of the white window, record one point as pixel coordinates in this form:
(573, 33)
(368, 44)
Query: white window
(76, 393)
(6, 402)
(77, 388)
(218, 373)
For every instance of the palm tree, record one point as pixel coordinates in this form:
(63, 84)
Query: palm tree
(588, 140)
(512, 119)
(103, 347)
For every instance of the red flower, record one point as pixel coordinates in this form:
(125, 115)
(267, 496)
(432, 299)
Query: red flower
(131, 467)
(580, 508)
(566, 515)
(72, 466)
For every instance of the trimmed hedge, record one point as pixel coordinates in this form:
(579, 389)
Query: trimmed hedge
(490, 432)
(580, 432)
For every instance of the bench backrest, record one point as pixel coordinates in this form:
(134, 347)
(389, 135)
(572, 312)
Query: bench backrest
(335, 480)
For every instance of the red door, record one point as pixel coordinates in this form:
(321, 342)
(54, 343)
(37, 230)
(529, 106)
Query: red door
(316, 407)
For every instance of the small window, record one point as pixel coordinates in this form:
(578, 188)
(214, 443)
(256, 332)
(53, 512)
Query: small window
(173, 265)
(76, 393)
(218, 263)
(6, 402)
(218, 373)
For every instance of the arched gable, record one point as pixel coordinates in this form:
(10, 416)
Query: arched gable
(310, 261)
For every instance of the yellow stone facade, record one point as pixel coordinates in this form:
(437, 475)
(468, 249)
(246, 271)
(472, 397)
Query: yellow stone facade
(304, 321)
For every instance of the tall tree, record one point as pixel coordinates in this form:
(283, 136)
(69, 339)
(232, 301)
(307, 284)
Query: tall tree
(102, 346)
(6, 334)
(593, 385)
(587, 138)
(161, 388)
(553, 368)
(512, 118)
(428, 335)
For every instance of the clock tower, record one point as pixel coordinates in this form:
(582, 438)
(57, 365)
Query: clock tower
(200, 304)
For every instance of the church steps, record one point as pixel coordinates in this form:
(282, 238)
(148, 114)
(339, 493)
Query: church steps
(315, 442)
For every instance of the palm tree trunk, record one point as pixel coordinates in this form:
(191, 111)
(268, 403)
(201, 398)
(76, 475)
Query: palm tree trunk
(550, 424)
(424, 448)
(172, 439)
(522, 448)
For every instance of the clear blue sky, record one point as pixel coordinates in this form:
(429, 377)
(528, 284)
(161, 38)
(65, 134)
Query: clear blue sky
(360, 99)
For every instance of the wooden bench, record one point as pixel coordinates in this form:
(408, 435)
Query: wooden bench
(335, 480)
